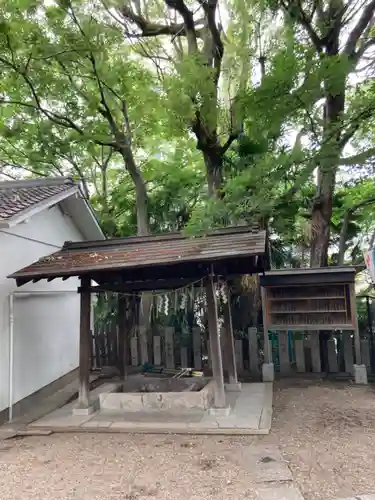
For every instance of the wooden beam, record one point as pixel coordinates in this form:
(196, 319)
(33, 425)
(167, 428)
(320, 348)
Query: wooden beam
(217, 365)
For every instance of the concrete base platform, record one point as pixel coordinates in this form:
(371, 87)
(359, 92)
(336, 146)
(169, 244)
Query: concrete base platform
(251, 413)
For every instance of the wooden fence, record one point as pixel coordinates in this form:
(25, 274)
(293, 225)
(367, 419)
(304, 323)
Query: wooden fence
(291, 352)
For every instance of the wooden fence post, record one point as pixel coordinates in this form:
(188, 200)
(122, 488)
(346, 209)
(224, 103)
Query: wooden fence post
(284, 352)
(134, 351)
(348, 352)
(184, 358)
(238, 346)
(299, 352)
(169, 347)
(315, 352)
(365, 353)
(197, 348)
(253, 351)
(157, 350)
(332, 356)
(209, 359)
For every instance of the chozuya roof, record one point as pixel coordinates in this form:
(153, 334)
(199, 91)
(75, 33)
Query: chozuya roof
(135, 253)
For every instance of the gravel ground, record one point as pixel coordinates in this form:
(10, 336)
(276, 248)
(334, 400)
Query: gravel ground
(325, 430)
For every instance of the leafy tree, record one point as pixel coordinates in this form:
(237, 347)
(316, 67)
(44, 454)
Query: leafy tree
(68, 77)
(341, 35)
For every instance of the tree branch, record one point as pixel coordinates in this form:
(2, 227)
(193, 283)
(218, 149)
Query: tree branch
(358, 158)
(345, 224)
(359, 28)
(304, 21)
(152, 29)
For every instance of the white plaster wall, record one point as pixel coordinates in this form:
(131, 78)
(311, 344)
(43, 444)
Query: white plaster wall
(46, 326)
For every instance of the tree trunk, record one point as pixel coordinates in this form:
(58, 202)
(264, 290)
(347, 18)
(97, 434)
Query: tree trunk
(141, 198)
(213, 160)
(329, 160)
(321, 218)
(343, 238)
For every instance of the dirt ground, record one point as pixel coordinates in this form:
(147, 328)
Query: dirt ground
(326, 432)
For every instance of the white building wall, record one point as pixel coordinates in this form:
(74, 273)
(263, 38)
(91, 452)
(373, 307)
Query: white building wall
(46, 326)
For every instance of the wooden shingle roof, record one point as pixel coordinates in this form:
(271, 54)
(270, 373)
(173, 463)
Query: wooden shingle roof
(139, 253)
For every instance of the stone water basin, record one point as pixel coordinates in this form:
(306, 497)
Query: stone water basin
(140, 393)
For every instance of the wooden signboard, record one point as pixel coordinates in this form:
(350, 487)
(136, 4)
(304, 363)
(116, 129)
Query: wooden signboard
(309, 299)
(309, 308)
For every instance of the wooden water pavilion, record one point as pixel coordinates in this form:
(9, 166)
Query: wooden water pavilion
(151, 263)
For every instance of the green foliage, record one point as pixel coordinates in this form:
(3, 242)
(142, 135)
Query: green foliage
(74, 92)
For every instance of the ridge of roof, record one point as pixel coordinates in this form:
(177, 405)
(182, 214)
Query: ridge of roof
(40, 181)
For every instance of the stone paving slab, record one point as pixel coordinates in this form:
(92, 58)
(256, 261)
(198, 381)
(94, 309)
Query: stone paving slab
(266, 464)
(282, 492)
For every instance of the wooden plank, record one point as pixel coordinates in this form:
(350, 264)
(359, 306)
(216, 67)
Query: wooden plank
(197, 348)
(157, 350)
(238, 347)
(348, 352)
(169, 347)
(284, 352)
(299, 352)
(315, 353)
(253, 351)
(332, 356)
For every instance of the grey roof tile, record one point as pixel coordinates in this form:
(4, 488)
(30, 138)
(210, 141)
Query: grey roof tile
(19, 196)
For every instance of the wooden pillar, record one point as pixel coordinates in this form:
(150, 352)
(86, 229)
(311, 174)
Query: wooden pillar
(353, 310)
(84, 346)
(215, 351)
(230, 356)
